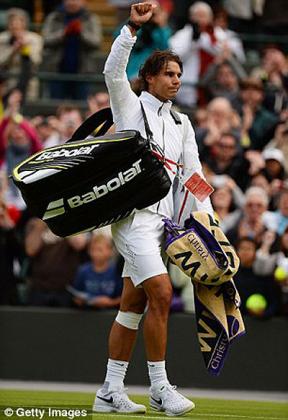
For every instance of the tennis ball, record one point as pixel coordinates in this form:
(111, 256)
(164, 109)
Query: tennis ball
(256, 303)
(280, 273)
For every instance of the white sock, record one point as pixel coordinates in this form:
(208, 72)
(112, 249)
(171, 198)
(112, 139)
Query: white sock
(157, 372)
(116, 372)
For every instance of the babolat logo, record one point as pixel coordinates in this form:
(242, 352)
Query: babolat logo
(112, 185)
(83, 150)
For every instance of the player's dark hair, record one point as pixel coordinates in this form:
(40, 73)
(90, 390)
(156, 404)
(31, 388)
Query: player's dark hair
(155, 63)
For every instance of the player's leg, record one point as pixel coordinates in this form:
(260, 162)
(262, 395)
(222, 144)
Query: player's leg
(111, 397)
(158, 290)
(124, 329)
(163, 396)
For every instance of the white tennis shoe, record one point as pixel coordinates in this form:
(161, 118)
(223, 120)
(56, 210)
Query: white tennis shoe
(165, 398)
(116, 401)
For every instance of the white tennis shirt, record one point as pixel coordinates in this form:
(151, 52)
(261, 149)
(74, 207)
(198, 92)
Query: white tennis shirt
(177, 141)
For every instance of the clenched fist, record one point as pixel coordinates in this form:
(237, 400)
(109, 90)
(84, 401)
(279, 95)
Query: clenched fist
(141, 12)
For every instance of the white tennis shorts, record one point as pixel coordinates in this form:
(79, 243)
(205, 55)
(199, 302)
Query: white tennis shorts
(139, 239)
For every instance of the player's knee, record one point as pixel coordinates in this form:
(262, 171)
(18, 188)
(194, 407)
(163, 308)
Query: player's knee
(161, 300)
(133, 304)
(129, 320)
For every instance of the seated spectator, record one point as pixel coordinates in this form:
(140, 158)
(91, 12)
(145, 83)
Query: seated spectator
(198, 43)
(18, 140)
(249, 283)
(220, 118)
(71, 36)
(224, 158)
(250, 222)
(273, 72)
(98, 283)
(258, 124)
(153, 35)
(274, 164)
(97, 101)
(21, 52)
(226, 199)
(68, 118)
(53, 264)
(222, 79)
(274, 171)
(260, 179)
(48, 135)
(280, 140)
(277, 221)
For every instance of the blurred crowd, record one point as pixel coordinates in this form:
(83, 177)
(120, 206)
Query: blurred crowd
(239, 115)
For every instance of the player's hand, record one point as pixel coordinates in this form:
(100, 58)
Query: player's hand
(141, 12)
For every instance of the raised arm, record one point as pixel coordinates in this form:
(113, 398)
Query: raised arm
(123, 100)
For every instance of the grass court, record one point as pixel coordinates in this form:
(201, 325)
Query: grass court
(206, 409)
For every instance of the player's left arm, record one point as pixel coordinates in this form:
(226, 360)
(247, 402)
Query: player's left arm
(191, 161)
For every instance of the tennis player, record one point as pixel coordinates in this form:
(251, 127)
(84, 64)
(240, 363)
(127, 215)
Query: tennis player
(139, 237)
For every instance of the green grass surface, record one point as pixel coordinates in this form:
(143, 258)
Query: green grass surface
(206, 409)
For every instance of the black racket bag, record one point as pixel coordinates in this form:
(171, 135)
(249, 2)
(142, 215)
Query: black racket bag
(85, 184)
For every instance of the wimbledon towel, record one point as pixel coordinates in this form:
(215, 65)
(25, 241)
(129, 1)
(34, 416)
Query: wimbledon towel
(202, 251)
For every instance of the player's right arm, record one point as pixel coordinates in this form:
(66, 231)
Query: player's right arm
(123, 100)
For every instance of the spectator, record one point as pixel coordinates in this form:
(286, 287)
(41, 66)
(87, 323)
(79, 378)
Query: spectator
(221, 118)
(277, 221)
(260, 179)
(280, 140)
(235, 43)
(227, 200)
(19, 136)
(68, 118)
(273, 73)
(97, 101)
(153, 35)
(224, 157)
(258, 124)
(250, 222)
(48, 135)
(53, 264)
(21, 52)
(222, 79)
(98, 283)
(197, 44)
(249, 283)
(72, 36)
(18, 140)
(274, 170)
